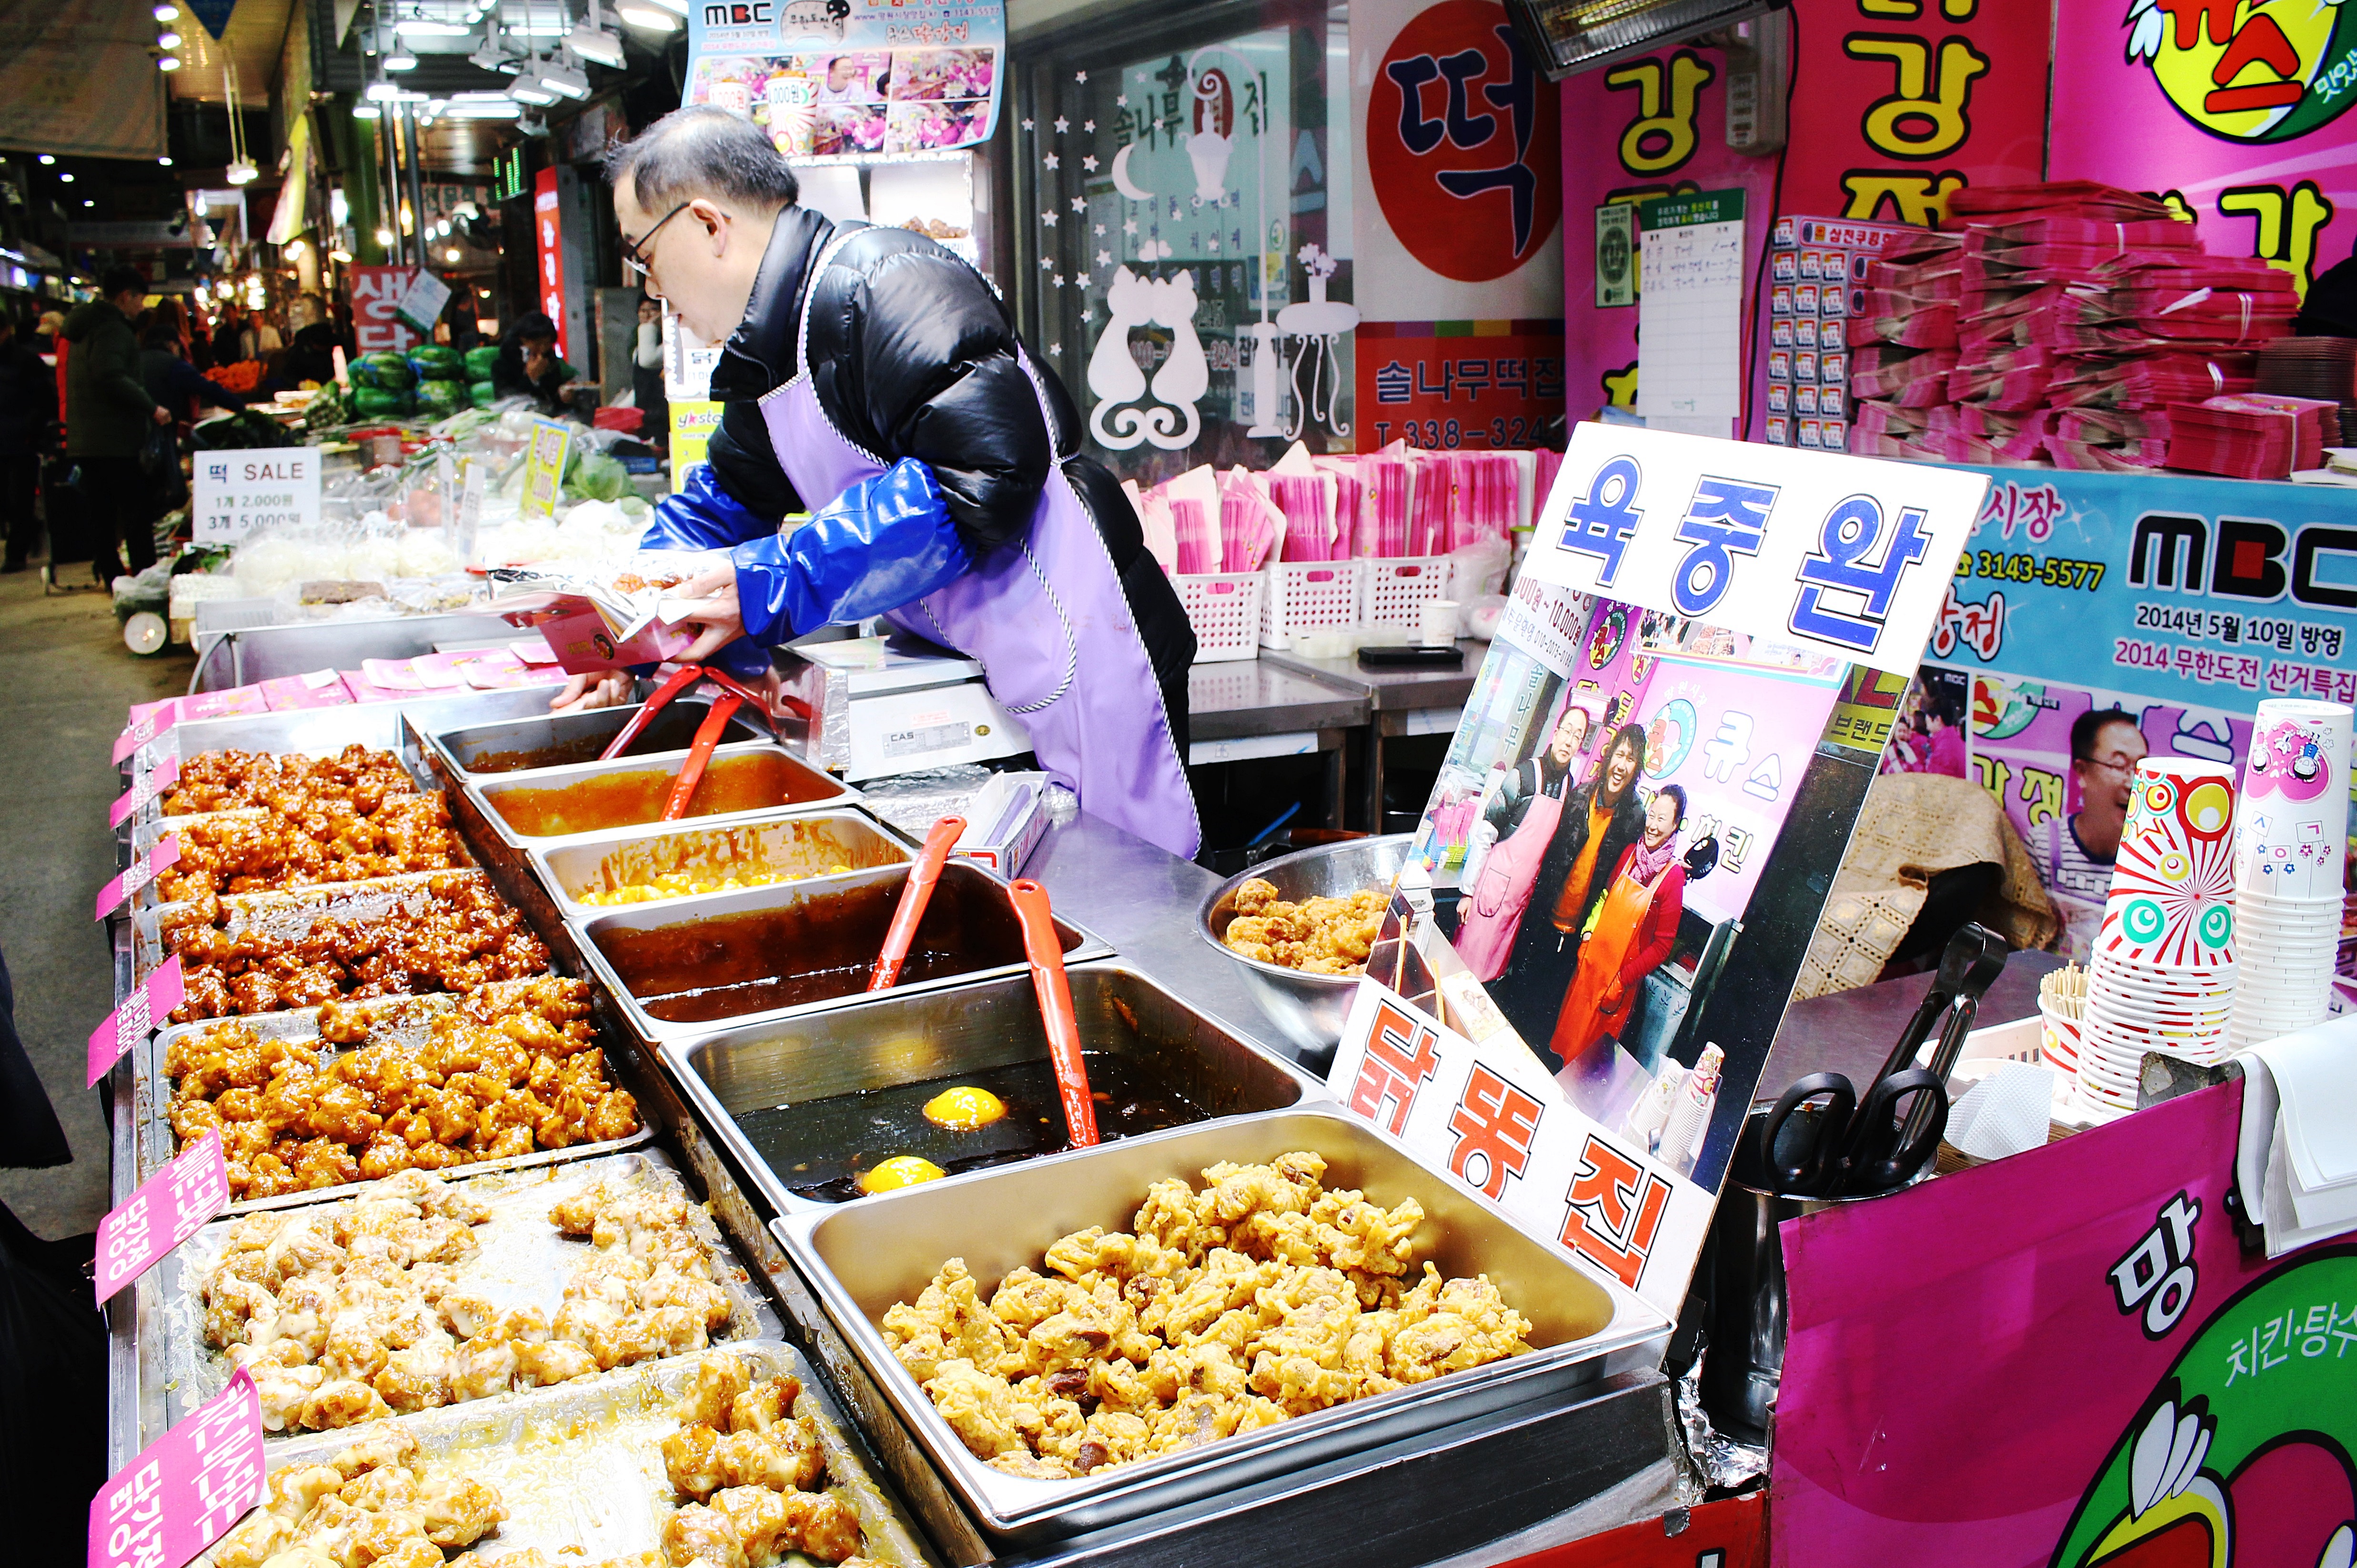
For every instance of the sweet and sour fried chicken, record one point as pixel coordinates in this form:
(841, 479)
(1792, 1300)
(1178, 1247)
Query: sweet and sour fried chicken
(1260, 1296)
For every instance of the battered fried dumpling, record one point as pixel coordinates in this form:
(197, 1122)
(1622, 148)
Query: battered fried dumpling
(348, 1312)
(1316, 935)
(1261, 1296)
(370, 1504)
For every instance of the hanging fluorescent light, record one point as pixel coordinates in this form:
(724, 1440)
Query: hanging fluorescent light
(168, 62)
(652, 17)
(381, 91)
(528, 89)
(65, 176)
(453, 253)
(591, 41)
(384, 236)
(366, 109)
(164, 13)
(167, 40)
(429, 27)
(567, 81)
(340, 256)
(165, 161)
(243, 172)
(401, 59)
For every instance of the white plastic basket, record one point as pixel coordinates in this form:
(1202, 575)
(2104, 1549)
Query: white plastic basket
(1307, 595)
(1394, 591)
(1224, 609)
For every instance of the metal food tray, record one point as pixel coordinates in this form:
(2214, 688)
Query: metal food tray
(892, 1039)
(801, 846)
(808, 789)
(155, 1144)
(462, 746)
(324, 732)
(293, 912)
(579, 1467)
(146, 835)
(523, 1260)
(845, 906)
(858, 1259)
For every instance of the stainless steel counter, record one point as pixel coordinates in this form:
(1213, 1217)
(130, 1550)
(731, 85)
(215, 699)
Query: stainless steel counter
(1399, 702)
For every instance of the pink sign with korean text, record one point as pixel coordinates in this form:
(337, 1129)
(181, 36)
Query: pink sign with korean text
(169, 1206)
(136, 876)
(185, 1489)
(137, 1018)
(2066, 1358)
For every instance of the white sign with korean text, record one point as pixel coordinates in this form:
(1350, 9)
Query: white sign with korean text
(239, 493)
(1494, 1120)
(422, 307)
(1848, 555)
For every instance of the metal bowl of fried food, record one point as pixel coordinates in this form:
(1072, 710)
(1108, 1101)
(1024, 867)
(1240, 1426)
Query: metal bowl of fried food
(1308, 1008)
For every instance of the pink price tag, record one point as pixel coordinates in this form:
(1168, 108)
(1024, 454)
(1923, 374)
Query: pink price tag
(140, 873)
(185, 1489)
(146, 727)
(169, 1206)
(145, 787)
(132, 1022)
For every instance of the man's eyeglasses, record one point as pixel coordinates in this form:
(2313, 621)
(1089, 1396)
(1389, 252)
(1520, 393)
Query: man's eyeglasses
(636, 263)
(2118, 762)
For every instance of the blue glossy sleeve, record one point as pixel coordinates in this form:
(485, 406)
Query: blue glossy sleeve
(880, 544)
(702, 517)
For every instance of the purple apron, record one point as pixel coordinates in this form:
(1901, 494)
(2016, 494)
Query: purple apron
(1033, 613)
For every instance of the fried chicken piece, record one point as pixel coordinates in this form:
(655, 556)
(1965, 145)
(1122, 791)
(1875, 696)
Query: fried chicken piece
(343, 1402)
(696, 1534)
(765, 1404)
(759, 1517)
(948, 1322)
(539, 1365)
(253, 1541)
(459, 1511)
(482, 1368)
(821, 1526)
(783, 1458)
(692, 1461)
(419, 1377)
(712, 1387)
(1470, 1325)
(1029, 1465)
(981, 1408)
(284, 1391)
(389, 1488)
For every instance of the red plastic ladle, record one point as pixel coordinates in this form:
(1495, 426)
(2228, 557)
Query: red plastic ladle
(684, 677)
(699, 755)
(914, 896)
(1048, 978)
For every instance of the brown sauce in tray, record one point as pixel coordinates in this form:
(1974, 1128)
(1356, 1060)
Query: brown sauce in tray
(744, 782)
(811, 950)
(820, 1148)
(673, 729)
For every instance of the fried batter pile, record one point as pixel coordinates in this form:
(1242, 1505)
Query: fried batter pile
(290, 785)
(373, 1503)
(754, 1471)
(1316, 936)
(332, 842)
(354, 1311)
(468, 935)
(510, 1070)
(1260, 1297)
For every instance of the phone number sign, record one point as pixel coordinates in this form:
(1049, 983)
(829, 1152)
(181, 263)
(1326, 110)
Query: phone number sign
(240, 493)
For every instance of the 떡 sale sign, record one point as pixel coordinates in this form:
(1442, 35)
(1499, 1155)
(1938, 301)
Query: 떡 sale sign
(1637, 816)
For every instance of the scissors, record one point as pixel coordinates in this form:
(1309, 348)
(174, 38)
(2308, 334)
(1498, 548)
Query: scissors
(1859, 1145)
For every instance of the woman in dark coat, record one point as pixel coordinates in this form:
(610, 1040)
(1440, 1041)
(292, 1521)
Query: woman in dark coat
(527, 365)
(1601, 820)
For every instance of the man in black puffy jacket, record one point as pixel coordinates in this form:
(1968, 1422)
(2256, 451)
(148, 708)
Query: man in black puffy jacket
(874, 380)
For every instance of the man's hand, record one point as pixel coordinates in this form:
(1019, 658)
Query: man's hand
(716, 612)
(599, 689)
(536, 365)
(163, 416)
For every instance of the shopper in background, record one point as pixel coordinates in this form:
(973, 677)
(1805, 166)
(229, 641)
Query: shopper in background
(259, 340)
(173, 381)
(45, 336)
(29, 406)
(226, 334)
(108, 413)
(647, 373)
(874, 380)
(527, 365)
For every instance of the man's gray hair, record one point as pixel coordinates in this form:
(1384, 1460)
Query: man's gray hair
(704, 151)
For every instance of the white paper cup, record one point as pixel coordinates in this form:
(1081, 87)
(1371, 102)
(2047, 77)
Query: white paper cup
(2292, 824)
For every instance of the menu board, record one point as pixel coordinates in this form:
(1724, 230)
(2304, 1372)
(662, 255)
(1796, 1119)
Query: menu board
(828, 78)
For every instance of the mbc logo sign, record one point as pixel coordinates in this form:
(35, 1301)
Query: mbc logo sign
(1464, 144)
(2246, 558)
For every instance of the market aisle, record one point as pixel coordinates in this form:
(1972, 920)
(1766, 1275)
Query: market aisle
(70, 683)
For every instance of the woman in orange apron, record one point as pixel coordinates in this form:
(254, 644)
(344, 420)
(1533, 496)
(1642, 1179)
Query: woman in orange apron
(1492, 910)
(1630, 933)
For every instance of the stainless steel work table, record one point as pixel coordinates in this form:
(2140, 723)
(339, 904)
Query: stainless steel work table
(1399, 702)
(1247, 708)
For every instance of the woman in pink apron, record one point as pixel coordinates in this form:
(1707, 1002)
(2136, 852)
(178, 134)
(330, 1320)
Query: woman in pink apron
(1492, 908)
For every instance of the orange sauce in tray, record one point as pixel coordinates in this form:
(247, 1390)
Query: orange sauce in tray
(746, 782)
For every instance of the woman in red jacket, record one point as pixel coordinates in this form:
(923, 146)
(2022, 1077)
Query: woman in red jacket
(1634, 928)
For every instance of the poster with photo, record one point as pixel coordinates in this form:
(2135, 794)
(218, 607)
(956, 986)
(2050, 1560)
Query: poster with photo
(1636, 824)
(879, 81)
